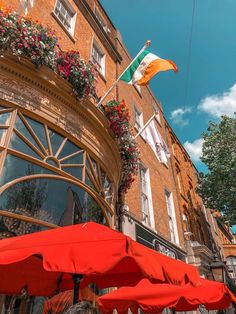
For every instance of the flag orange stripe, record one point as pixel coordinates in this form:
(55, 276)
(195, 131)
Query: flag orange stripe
(154, 67)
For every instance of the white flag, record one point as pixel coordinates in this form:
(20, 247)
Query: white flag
(154, 139)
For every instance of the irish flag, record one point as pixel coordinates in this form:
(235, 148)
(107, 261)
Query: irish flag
(144, 67)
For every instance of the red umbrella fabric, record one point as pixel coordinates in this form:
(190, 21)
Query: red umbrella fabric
(153, 298)
(63, 300)
(43, 262)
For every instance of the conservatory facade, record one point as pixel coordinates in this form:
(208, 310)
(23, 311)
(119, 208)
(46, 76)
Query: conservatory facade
(59, 163)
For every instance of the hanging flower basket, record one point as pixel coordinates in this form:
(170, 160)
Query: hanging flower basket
(118, 116)
(25, 38)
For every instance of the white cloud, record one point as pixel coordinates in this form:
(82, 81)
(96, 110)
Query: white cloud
(194, 149)
(177, 116)
(222, 104)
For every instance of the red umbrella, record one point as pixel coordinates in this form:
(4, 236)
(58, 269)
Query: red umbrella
(153, 298)
(44, 262)
(63, 300)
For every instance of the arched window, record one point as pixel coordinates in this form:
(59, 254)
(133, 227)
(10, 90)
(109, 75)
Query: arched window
(46, 176)
(231, 263)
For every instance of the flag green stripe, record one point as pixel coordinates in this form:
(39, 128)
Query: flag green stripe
(127, 76)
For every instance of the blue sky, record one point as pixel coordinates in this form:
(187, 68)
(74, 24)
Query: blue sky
(210, 90)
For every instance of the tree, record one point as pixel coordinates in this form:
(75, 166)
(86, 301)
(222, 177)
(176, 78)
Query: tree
(218, 186)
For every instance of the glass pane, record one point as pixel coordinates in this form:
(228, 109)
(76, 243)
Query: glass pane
(74, 171)
(39, 131)
(68, 149)
(77, 159)
(52, 162)
(19, 125)
(2, 136)
(10, 227)
(20, 145)
(92, 212)
(51, 200)
(15, 167)
(88, 182)
(56, 140)
(4, 118)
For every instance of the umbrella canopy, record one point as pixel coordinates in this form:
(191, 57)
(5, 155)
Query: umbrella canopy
(43, 262)
(63, 300)
(153, 298)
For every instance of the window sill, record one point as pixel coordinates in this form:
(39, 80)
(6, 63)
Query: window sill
(63, 27)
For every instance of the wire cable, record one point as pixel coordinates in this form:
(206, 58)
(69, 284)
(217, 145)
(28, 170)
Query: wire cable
(189, 55)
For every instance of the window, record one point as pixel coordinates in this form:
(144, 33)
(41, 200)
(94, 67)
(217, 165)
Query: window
(173, 146)
(191, 196)
(157, 112)
(138, 116)
(186, 225)
(231, 264)
(179, 180)
(171, 216)
(146, 199)
(101, 21)
(66, 15)
(201, 238)
(43, 176)
(98, 58)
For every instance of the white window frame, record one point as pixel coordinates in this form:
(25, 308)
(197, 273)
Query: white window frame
(171, 217)
(146, 197)
(69, 26)
(100, 65)
(101, 20)
(138, 118)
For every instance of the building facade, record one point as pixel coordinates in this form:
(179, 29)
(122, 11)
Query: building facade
(60, 163)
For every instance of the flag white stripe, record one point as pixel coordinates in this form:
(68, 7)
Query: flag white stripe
(138, 74)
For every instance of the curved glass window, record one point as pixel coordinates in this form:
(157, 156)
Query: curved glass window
(15, 167)
(36, 158)
(55, 201)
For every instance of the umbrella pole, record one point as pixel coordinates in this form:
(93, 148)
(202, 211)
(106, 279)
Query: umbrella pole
(77, 279)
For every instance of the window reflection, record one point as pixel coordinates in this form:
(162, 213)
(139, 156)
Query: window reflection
(56, 140)
(4, 118)
(55, 201)
(2, 135)
(15, 167)
(10, 227)
(18, 144)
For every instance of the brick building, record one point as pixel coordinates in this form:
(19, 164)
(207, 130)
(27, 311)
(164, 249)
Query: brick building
(78, 157)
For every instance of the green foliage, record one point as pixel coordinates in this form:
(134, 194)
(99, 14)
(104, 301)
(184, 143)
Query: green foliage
(218, 187)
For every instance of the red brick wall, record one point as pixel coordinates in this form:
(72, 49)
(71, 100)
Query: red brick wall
(162, 177)
(81, 40)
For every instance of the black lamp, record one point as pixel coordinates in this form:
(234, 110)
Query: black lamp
(218, 269)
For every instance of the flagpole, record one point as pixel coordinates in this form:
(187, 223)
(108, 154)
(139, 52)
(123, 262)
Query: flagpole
(145, 125)
(147, 44)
